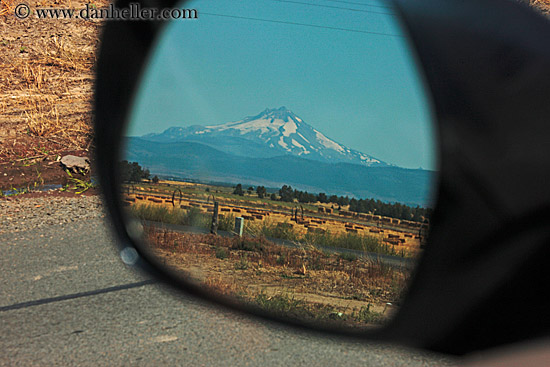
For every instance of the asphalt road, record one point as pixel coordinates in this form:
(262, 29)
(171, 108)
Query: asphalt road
(67, 299)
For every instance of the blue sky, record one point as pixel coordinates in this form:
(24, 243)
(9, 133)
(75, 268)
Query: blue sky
(342, 66)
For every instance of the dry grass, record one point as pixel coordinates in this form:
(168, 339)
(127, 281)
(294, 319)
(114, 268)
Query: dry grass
(6, 7)
(46, 73)
(219, 284)
(254, 267)
(542, 5)
(295, 282)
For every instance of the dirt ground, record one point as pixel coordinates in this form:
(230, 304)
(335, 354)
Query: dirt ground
(46, 85)
(320, 283)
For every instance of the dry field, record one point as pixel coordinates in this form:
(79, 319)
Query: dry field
(403, 236)
(303, 283)
(294, 264)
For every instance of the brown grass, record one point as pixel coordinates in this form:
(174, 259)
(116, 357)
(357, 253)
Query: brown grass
(255, 267)
(46, 73)
(6, 7)
(542, 5)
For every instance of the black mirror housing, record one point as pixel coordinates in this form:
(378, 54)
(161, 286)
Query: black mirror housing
(481, 281)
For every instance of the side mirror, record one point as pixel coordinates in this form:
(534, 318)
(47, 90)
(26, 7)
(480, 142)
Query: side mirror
(244, 212)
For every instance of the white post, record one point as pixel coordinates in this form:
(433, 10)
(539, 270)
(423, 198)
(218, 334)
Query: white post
(239, 225)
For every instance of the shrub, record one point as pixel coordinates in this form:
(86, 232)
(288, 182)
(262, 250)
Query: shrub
(242, 264)
(367, 316)
(249, 244)
(281, 260)
(163, 214)
(196, 218)
(279, 304)
(347, 256)
(221, 253)
(226, 222)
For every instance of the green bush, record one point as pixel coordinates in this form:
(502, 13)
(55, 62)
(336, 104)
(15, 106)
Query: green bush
(351, 241)
(221, 253)
(280, 230)
(279, 304)
(242, 264)
(163, 214)
(195, 218)
(367, 316)
(226, 222)
(347, 256)
(249, 244)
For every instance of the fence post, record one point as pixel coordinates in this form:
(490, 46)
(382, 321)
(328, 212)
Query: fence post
(214, 227)
(239, 225)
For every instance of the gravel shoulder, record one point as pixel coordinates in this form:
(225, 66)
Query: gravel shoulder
(28, 212)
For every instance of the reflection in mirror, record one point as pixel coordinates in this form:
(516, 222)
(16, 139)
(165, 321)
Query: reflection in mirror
(282, 153)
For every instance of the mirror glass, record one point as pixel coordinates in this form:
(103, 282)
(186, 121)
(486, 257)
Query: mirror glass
(282, 153)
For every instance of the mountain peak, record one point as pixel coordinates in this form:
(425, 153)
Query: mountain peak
(280, 109)
(281, 113)
(278, 131)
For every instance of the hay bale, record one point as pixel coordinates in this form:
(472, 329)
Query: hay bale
(392, 241)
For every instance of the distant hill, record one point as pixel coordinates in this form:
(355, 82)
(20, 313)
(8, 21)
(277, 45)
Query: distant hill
(203, 162)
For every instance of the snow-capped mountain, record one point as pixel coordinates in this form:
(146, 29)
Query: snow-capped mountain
(273, 132)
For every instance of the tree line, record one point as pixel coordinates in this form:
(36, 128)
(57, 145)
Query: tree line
(261, 191)
(394, 210)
